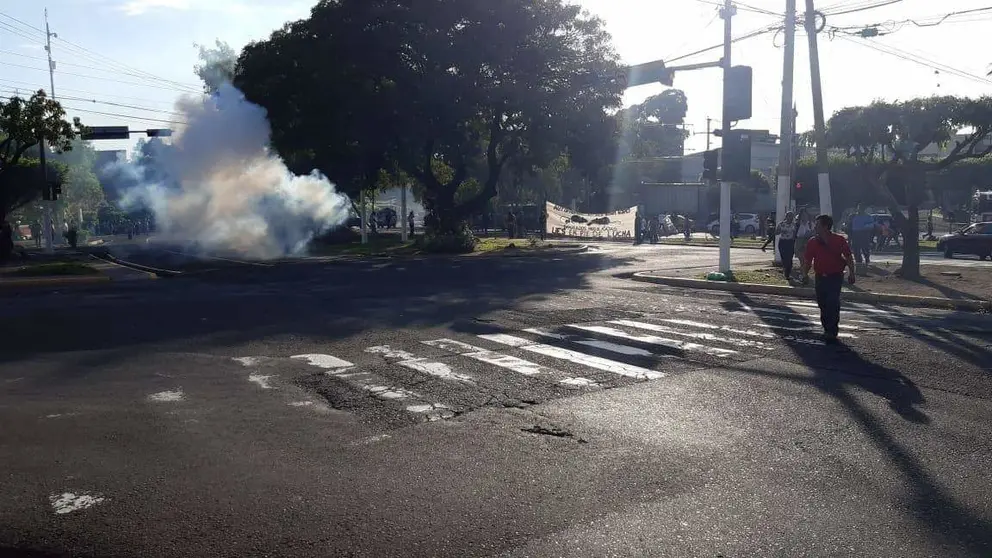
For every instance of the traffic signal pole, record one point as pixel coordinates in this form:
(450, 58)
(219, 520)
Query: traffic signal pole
(727, 13)
(46, 221)
(785, 155)
(819, 127)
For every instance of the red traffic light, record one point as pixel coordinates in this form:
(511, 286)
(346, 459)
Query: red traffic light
(799, 185)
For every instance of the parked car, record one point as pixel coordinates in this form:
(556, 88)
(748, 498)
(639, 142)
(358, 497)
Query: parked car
(974, 239)
(750, 224)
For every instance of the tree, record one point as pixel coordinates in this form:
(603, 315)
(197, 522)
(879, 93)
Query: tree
(886, 140)
(651, 129)
(23, 123)
(432, 85)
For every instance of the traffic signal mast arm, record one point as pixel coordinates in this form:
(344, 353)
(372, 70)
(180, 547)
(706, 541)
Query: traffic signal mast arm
(656, 72)
(120, 132)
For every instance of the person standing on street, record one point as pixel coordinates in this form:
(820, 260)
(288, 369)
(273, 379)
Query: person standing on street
(786, 231)
(828, 254)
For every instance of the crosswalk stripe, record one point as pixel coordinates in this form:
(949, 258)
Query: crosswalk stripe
(792, 313)
(811, 321)
(851, 308)
(598, 363)
(328, 362)
(652, 339)
(810, 328)
(703, 336)
(509, 362)
(368, 382)
(408, 360)
(595, 343)
(748, 332)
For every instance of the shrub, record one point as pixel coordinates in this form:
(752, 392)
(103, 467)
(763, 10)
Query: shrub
(461, 241)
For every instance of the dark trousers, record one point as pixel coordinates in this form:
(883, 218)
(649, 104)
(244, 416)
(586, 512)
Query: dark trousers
(787, 249)
(828, 299)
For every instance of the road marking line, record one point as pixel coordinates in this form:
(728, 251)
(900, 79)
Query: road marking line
(246, 361)
(652, 339)
(262, 381)
(167, 396)
(595, 343)
(576, 357)
(792, 314)
(408, 360)
(694, 335)
(811, 329)
(329, 362)
(749, 332)
(518, 365)
(68, 502)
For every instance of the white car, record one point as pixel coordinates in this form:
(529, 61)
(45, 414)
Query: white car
(749, 224)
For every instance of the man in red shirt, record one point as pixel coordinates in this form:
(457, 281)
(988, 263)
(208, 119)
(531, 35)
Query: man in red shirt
(828, 254)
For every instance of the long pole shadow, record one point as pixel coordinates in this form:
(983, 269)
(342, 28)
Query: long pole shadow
(952, 522)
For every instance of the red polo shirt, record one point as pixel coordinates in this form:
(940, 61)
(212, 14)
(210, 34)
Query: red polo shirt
(827, 256)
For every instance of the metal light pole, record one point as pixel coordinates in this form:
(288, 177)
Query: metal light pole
(727, 13)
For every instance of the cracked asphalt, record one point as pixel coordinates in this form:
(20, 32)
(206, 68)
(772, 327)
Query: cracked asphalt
(486, 407)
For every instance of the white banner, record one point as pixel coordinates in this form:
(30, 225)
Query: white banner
(562, 221)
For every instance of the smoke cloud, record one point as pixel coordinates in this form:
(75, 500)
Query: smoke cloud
(218, 187)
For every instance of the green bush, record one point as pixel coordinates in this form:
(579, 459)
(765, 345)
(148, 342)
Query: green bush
(461, 241)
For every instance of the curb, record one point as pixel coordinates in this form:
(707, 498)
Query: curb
(518, 253)
(54, 281)
(491, 254)
(715, 245)
(798, 292)
(147, 269)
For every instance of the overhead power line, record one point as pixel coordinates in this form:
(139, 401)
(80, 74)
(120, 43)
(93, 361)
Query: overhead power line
(752, 34)
(11, 90)
(32, 33)
(909, 57)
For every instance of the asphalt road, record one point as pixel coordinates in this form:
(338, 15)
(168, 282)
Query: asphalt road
(486, 407)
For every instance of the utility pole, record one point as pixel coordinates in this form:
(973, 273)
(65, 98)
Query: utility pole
(49, 205)
(785, 154)
(708, 132)
(822, 162)
(727, 13)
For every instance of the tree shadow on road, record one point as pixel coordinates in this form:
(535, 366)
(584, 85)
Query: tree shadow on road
(293, 304)
(835, 369)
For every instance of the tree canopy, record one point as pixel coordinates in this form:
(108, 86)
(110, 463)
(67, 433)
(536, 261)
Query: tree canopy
(887, 140)
(23, 124)
(434, 89)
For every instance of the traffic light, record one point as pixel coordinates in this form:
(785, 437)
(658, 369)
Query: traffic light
(649, 72)
(737, 156)
(737, 85)
(106, 133)
(159, 132)
(799, 185)
(711, 160)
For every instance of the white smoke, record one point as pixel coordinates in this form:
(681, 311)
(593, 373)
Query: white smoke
(220, 188)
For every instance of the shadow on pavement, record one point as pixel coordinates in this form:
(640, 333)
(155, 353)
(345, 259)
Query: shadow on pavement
(834, 369)
(315, 301)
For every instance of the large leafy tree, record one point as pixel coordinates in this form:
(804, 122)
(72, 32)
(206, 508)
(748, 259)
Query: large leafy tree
(433, 88)
(23, 123)
(652, 128)
(886, 140)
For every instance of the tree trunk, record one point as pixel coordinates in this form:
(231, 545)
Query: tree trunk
(911, 243)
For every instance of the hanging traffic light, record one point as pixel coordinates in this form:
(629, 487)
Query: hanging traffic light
(736, 156)
(738, 82)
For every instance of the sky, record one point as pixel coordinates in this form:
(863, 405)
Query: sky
(124, 62)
